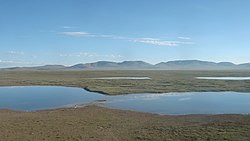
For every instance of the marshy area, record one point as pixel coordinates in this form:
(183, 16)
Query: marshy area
(161, 81)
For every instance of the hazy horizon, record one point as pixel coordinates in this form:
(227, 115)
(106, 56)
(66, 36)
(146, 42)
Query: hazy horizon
(118, 62)
(64, 32)
(68, 65)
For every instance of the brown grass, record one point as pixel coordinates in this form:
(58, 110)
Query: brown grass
(102, 124)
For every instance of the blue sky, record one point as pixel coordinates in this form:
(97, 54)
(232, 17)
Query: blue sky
(38, 32)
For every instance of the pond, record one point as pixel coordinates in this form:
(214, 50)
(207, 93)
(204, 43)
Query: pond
(30, 98)
(224, 78)
(120, 78)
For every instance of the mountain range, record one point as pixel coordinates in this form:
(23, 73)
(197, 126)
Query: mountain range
(140, 65)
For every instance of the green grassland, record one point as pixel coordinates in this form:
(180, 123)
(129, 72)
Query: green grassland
(161, 82)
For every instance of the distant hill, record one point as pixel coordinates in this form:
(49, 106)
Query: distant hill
(96, 65)
(196, 65)
(140, 65)
(246, 65)
(49, 67)
(135, 64)
(113, 65)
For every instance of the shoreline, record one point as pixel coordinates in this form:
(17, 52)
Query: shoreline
(93, 104)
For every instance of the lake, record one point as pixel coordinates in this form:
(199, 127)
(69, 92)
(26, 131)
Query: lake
(30, 98)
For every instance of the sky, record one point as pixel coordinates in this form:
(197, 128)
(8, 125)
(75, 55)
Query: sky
(67, 32)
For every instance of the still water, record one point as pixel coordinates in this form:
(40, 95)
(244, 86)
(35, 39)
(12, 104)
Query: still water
(224, 78)
(120, 78)
(30, 98)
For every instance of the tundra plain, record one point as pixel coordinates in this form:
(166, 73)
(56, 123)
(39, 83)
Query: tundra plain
(98, 123)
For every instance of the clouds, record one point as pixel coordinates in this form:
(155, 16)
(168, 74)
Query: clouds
(90, 55)
(12, 53)
(78, 33)
(72, 33)
(79, 54)
(164, 43)
(184, 38)
(181, 40)
(160, 42)
(68, 27)
(157, 42)
(145, 40)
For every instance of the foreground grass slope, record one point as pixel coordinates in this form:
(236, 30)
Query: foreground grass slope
(102, 124)
(162, 81)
